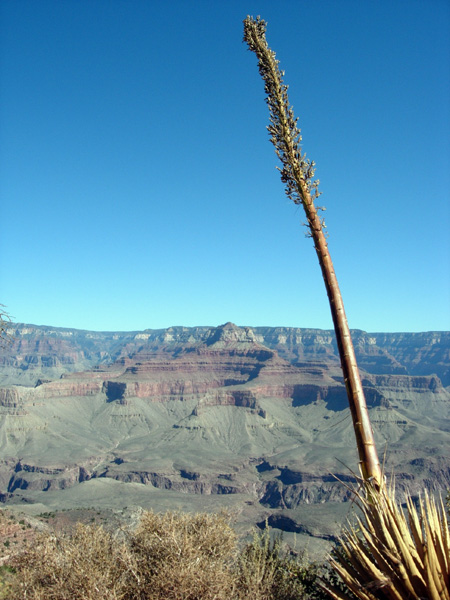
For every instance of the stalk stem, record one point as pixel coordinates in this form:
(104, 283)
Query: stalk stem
(297, 174)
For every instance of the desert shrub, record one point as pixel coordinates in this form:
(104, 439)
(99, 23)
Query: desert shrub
(170, 556)
(184, 557)
(87, 565)
(6, 574)
(4, 588)
(329, 579)
(267, 572)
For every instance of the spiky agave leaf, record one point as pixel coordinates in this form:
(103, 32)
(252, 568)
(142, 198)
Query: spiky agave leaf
(392, 556)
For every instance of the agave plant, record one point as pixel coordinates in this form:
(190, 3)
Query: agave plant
(385, 555)
(389, 553)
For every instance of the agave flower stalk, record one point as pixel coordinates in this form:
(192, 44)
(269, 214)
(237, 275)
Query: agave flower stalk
(297, 173)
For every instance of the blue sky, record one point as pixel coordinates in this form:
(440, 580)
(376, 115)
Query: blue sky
(138, 185)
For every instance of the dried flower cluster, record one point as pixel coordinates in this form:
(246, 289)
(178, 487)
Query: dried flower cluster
(284, 132)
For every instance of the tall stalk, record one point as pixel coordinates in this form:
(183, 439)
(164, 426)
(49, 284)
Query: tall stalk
(297, 174)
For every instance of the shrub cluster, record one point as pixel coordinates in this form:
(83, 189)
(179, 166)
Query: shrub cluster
(170, 556)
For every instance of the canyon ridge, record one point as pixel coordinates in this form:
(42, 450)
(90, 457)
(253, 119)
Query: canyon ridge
(251, 419)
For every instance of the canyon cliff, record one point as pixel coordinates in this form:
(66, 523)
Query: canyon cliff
(255, 418)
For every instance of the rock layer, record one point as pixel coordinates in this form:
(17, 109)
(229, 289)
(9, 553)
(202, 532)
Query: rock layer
(258, 413)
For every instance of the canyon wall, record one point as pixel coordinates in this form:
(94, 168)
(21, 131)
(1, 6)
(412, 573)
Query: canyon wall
(259, 415)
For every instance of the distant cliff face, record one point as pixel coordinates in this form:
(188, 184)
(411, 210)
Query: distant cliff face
(46, 352)
(259, 414)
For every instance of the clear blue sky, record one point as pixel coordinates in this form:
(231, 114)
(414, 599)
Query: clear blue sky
(138, 185)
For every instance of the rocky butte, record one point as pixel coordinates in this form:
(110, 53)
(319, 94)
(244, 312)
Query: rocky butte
(254, 419)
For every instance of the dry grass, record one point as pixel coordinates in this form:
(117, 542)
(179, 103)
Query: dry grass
(182, 556)
(391, 555)
(88, 565)
(386, 554)
(170, 556)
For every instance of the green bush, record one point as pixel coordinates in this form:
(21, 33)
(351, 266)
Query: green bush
(268, 572)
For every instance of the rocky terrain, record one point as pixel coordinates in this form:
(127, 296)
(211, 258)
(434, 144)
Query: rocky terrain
(252, 419)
